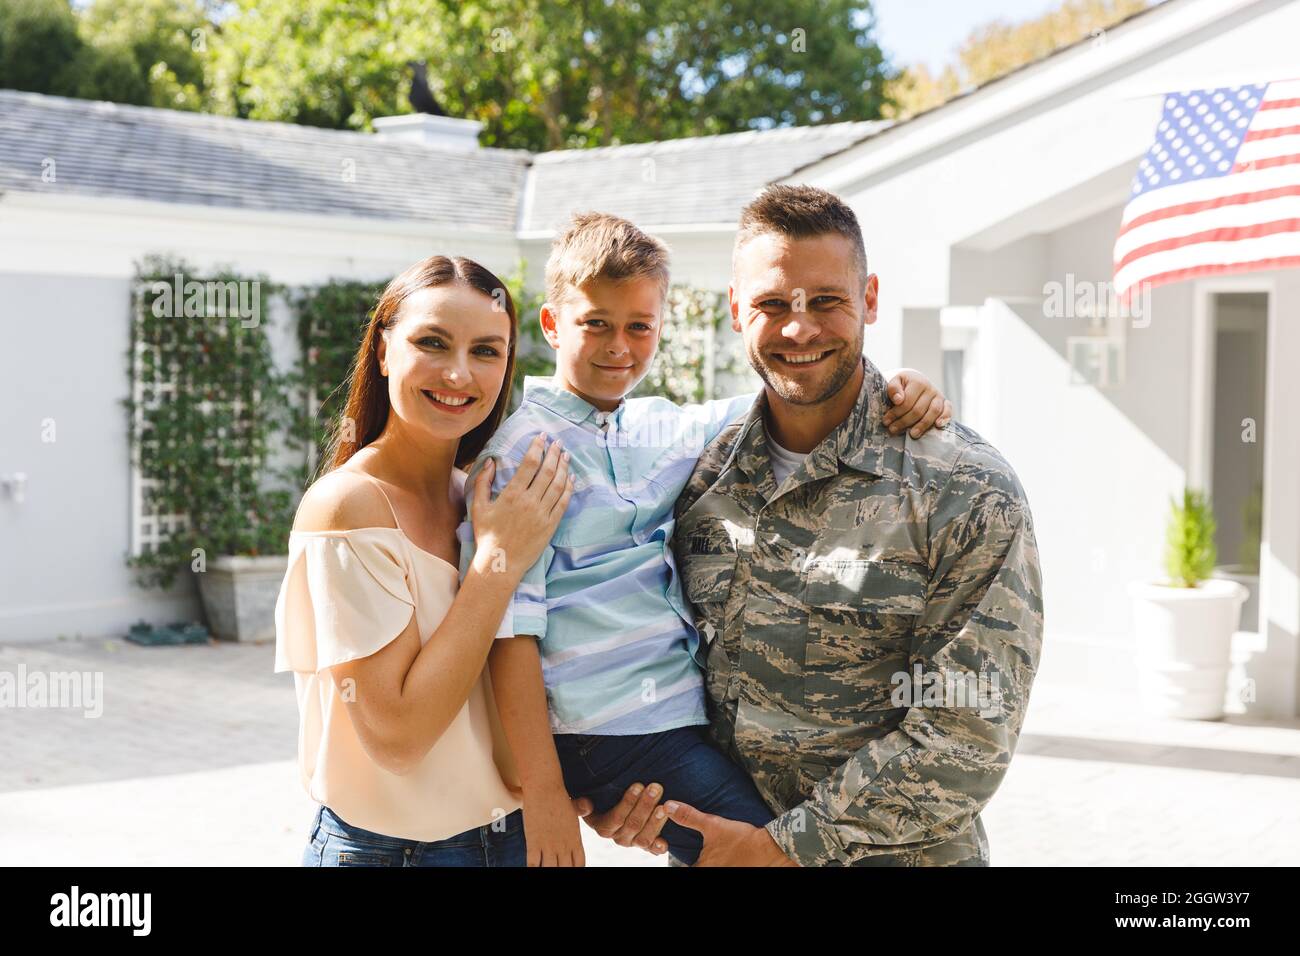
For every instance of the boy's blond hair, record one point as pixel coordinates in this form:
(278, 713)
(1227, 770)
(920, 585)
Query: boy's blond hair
(600, 246)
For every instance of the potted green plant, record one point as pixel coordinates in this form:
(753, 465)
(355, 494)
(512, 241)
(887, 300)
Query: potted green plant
(1184, 625)
(207, 407)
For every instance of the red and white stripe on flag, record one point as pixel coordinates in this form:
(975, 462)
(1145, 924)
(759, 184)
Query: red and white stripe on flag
(1218, 192)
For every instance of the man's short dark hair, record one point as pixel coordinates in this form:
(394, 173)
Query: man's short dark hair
(801, 212)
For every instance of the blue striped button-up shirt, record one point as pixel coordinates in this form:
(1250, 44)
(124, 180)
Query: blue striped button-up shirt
(618, 642)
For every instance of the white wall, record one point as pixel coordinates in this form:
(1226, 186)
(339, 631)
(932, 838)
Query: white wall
(1276, 669)
(63, 549)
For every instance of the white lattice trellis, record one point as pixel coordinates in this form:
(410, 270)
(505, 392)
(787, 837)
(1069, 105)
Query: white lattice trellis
(151, 527)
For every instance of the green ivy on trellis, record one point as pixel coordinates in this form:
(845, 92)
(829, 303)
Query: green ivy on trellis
(536, 357)
(691, 354)
(205, 403)
(331, 320)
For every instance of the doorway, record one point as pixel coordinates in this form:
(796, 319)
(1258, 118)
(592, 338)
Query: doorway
(1240, 363)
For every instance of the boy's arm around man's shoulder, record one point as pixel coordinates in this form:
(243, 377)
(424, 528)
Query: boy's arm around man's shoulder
(714, 415)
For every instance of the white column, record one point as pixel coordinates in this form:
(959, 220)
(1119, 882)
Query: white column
(921, 343)
(1276, 670)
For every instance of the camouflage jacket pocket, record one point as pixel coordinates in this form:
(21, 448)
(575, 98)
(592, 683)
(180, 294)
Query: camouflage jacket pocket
(862, 584)
(706, 579)
(860, 618)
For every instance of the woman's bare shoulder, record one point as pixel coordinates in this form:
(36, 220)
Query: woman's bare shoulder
(343, 500)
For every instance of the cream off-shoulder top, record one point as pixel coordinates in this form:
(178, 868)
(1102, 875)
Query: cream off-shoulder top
(346, 595)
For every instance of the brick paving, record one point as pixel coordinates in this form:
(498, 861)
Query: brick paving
(192, 763)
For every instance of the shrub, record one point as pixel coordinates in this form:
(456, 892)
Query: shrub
(1189, 543)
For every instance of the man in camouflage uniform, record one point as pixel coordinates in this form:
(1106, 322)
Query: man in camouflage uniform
(875, 622)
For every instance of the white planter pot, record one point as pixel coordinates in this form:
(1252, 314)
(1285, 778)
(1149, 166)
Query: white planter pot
(1250, 581)
(1184, 641)
(239, 595)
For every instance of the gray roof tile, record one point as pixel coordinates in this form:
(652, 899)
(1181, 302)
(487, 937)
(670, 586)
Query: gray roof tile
(104, 149)
(704, 179)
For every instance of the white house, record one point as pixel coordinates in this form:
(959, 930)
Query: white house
(976, 213)
(981, 217)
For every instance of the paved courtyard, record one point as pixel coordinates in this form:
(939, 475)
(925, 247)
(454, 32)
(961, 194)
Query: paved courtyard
(192, 763)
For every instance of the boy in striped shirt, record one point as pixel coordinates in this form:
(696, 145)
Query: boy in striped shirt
(597, 672)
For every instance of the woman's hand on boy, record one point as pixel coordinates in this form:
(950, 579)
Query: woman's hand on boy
(513, 529)
(917, 404)
(551, 828)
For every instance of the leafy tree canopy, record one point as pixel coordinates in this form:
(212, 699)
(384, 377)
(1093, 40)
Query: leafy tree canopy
(540, 74)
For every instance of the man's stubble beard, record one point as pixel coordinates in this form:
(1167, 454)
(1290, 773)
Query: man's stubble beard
(847, 363)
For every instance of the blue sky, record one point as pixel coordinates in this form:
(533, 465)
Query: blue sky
(928, 31)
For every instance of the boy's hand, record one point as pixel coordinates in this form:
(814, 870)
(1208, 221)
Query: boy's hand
(917, 404)
(551, 828)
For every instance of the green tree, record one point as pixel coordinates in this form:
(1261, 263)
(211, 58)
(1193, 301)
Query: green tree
(38, 40)
(104, 73)
(316, 62)
(543, 74)
(125, 51)
(540, 74)
(595, 73)
(165, 39)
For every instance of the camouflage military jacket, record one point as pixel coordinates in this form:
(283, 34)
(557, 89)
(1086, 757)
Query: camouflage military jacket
(873, 628)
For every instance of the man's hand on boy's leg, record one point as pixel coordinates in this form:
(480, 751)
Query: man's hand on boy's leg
(728, 842)
(917, 404)
(634, 821)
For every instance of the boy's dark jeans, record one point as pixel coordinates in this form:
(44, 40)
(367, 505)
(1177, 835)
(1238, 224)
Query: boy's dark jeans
(682, 761)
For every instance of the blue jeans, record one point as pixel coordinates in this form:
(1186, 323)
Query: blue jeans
(682, 761)
(337, 843)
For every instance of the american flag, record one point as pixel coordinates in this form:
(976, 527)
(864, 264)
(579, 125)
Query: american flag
(1218, 191)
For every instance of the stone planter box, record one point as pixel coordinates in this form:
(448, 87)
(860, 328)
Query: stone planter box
(239, 595)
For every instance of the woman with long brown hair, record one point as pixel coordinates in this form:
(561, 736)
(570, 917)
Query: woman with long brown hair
(399, 738)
